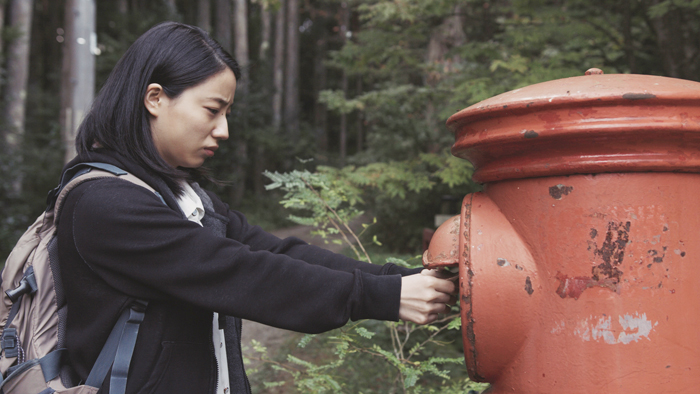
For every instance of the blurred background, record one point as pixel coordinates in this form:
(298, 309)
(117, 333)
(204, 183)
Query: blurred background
(358, 88)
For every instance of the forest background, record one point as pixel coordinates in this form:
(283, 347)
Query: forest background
(356, 92)
(359, 89)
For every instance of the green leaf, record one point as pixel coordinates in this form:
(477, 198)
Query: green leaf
(305, 340)
(364, 332)
(455, 324)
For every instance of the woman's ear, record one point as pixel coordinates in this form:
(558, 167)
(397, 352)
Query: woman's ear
(154, 98)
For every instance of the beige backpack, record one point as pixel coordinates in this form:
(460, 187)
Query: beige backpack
(33, 309)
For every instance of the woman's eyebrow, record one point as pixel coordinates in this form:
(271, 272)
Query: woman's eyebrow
(219, 100)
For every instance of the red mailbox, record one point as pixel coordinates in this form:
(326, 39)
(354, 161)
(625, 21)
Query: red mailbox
(579, 263)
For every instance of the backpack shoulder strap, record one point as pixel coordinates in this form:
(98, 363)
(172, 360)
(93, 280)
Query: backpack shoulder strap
(84, 172)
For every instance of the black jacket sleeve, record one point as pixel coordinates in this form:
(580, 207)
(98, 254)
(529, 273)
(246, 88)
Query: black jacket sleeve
(146, 250)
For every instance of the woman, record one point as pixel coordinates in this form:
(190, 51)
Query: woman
(160, 114)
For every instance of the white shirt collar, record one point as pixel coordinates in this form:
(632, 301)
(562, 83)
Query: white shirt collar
(190, 203)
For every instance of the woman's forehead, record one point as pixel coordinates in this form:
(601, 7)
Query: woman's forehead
(220, 87)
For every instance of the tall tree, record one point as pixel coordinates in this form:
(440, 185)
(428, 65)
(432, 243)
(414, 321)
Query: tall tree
(673, 36)
(278, 67)
(242, 56)
(291, 94)
(204, 14)
(78, 84)
(20, 19)
(2, 19)
(222, 26)
(344, 32)
(320, 110)
(123, 6)
(265, 23)
(172, 7)
(259, 160)
(241, 48)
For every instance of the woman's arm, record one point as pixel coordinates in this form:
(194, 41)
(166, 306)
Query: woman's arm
(258, 239)
(146, 250)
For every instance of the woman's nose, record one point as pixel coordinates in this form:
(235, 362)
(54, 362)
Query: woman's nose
(220, 132)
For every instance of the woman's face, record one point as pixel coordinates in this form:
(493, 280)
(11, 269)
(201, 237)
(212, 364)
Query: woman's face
(187, 129)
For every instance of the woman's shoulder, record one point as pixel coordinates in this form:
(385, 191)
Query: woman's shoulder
(110, 194)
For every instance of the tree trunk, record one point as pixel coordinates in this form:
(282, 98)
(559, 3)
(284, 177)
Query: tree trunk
(291, 101)
(265, 19)
(450, 34)
(360, 133)
(671, 42)
(627, 35)
(278, 68)
(260, 160)
(78, 84)
(204, 15)
(344, 24)
(123, 6)
(239, 138)
(2, 19)
(222, 31)
(172, 8)
(344, 123)
(241, 34)
(20, 19)
(320, 110)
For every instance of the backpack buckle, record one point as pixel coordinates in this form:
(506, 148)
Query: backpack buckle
(10, 343)
(27, 285)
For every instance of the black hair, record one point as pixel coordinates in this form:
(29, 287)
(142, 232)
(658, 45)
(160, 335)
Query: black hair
(174, 55)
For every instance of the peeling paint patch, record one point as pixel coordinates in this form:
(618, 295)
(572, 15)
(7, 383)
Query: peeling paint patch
(558, 327)
(558, 191)
(530, 134)
(629, 328)
(638, 96)
(502, 262)
(574, 287)
(612, 252)
(528, 286)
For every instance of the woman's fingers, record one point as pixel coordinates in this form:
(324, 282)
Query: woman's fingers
(425, 296)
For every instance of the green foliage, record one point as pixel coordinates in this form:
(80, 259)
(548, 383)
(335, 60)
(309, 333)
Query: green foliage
(405, 196)
(373, 357)
(411, 358)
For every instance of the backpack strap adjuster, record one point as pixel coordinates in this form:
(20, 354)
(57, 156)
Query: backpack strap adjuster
(10, 342)
(27, 285)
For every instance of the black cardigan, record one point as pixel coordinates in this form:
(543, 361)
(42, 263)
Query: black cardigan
(118, 241)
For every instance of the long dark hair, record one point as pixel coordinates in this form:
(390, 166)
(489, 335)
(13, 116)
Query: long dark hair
(174, 55)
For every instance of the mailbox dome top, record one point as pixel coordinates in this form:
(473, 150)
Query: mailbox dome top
(595, 88)
(588, 124)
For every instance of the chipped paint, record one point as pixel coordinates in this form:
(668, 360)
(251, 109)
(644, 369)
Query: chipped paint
(612, 252)
(574, 287)
(466, 284)
(502, 262)
(558, 191)
(638, 96)
(528, 286)
(530, 134)
(558, 327)
(629, 328)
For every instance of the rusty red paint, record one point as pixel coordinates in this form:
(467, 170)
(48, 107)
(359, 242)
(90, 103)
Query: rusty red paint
(628, 146)
(612, 252)
(574, 287)
(594, 71)
(560, 190)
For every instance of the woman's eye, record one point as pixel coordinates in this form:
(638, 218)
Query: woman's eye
(214, 111)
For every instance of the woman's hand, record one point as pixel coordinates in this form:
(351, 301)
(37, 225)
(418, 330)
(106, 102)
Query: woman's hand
(426, 295)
